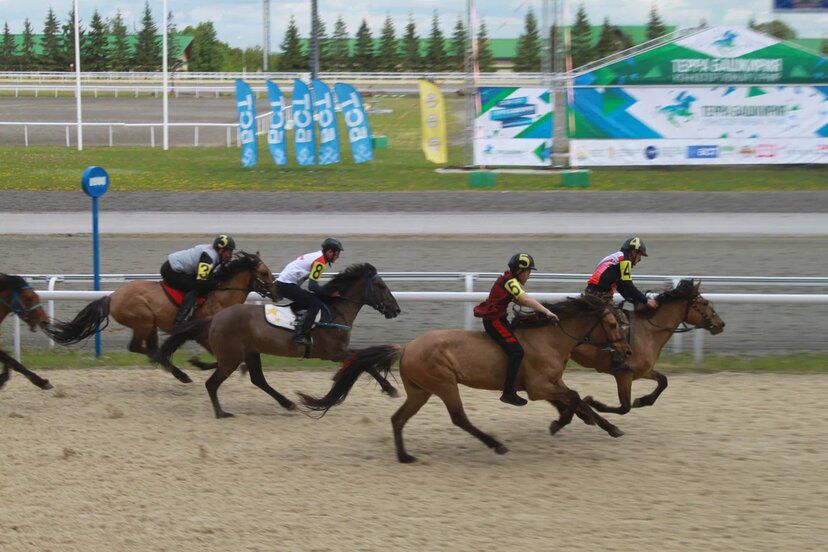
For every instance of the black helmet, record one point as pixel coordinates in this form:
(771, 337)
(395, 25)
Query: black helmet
(521, 261)
(224, 241)
(332, 243)
(634, 244)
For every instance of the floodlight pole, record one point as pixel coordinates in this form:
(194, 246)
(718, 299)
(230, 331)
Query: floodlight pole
(265, 35)
(165, 72)
(314, 40)
(78, 78)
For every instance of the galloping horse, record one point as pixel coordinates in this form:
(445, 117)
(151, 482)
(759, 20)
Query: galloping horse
(144, 307)
(16, 297)
(650, 331)
(241, 333)
(436, 362)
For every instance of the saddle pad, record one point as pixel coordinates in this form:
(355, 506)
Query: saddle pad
(282, 316)
(177, 296)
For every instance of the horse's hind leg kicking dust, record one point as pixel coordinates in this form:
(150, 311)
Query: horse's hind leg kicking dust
(254, 366)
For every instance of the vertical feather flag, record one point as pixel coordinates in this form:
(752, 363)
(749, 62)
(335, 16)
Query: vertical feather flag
(433, 117)
(276, 134)
(328, 133)
(359, 131)
(246, 105)
(304, 137)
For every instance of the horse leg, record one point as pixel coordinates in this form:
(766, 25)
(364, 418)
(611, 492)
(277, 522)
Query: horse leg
(414, 401)
(8, 361)
(602, 422)
(200, 364)
(386, 386)
(151, 342)
(450, 395)
(145, 341)
(254, 366)
(228, 363)
(560, 406)
(567, 408)
(4, 375)
(648, 400)
(623, 381)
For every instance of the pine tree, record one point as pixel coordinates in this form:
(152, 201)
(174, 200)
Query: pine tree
(655, 26)
(388, 56)
(174, 61)
(8, 50)
(120, 56)
(824, 48)
(436, 58)
(528, 47)
(606, 41)
(291, 57)
(340, 53)
(411, 60)
(325, 46)
(54, 56)
(776, 28)
(459, 43)
(363, 59)
(207, 53)
(95, 51)
(485, 58)
(581, 39)
(148, 44)
(28, 59)
(69, 39)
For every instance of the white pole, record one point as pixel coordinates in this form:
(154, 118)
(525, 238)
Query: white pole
(78, 78)
(166, 100)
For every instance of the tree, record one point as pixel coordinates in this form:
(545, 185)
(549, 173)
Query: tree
(69, 38)
(28, 58)
(54, 56)
(207, 53)
(581, 39)
(148, 44)
(776, 28)
(340, 53)
(120, 57)
(459, 42)
(96, 46)
(528, 47)
(174, 61)
(388, 56)
(824, 47)
(606, 41)
(655, 26)
(411, 60)
(324, 44)
(363, 59)
(8, 50)
(436, 58)
(485, 58)
(291, 57)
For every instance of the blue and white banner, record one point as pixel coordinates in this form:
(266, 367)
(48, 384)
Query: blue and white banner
(326, 117)
(276, 141)
(246, 105)
(304, 137)
(359, 132)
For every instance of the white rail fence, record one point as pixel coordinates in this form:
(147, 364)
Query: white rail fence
(469, 296)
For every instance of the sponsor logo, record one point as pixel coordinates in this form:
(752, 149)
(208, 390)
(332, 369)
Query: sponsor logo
(725, 42)
(747, 150)
(766, 151)
(680, 110)
(702, 152)
(650, 152)
(822, 149)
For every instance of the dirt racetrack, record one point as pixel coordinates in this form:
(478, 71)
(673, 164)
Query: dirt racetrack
(128, 459)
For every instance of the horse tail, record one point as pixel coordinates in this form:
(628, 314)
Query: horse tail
(89, 320)
(381, 357)
(178, 337)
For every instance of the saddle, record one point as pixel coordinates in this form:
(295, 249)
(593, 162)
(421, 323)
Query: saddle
(176, 296)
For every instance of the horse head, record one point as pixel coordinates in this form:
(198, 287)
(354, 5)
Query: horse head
(608, 321)
(19, 298)
(698, 311)
(362, 284)
(260, 277)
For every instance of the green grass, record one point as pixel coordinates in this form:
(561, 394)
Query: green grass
(669, 364)
(400, 168)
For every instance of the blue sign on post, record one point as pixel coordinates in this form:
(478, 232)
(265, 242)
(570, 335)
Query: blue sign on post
(95, 183)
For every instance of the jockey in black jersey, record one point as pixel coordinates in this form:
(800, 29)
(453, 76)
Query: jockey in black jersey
(192, 270)
(614, 272)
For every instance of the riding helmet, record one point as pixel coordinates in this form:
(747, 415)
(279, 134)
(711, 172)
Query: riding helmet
(332, 243)
(521, 261)
(224, 241)
(634, 244)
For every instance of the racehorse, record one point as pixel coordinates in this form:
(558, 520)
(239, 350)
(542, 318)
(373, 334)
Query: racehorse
(144, 307)
(437, 361)
(17, 297)
(241, 333)
(650, 331)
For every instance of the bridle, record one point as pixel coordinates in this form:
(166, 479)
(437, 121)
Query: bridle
(692, 303)
(16, 306)
(587, 339)
(369, 296)
(256, 285)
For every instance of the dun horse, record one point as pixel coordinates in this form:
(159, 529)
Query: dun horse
(144, 307)
(437, 362)
(241, 333)
(17, 297)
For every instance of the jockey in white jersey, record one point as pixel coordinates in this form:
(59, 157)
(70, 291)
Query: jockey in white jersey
(308, 267)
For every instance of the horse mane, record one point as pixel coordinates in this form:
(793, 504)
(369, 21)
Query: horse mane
(682, 292)
(571, 306)
(11, 282)
(345, 279)
(240, 261)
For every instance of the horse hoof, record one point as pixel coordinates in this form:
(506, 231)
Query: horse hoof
(393, 393)
(589, 400)
(406, 458)
(500, 449)
(223, 414)
(615, 432)
(183, 378)
(554, 427)
(46, 386)
(290, 406)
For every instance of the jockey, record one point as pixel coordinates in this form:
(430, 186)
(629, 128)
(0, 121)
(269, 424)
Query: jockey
(615, 272)
(508, 288)
(191, 270)
(309, 267)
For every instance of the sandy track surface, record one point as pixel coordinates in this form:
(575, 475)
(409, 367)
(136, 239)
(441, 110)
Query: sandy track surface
(131, 460)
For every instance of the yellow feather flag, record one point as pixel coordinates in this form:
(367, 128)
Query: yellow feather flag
(433, 117)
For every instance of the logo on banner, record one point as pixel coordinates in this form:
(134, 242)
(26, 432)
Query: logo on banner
(725, 42)
(702, 152)
(679, 109)
(651, 152)
(822, 149)
(766, 151)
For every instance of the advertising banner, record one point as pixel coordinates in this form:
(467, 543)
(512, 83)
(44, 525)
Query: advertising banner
(433, 118)
(246, 106)
(800, 6)
(326, 117)
(276, 141)
(304, 137)
(514, 126)
(356, 121)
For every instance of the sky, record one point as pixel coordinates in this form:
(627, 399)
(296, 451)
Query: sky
(238, 22)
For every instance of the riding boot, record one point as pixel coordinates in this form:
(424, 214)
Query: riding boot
(186, 308)
(509, 395)
(303, 326)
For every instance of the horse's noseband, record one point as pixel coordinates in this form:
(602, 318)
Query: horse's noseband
(16, 306)
(709, 324)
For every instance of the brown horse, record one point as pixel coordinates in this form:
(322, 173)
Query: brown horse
(650, 331)
(17, 297)
(436, 362)
(241, 333)
(144, 307)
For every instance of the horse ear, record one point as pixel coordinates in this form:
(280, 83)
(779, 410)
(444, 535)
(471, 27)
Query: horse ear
(257, 254)
(696, 286)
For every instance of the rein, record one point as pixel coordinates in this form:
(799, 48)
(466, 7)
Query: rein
(691, 303)
(16, 306)
(586, 340)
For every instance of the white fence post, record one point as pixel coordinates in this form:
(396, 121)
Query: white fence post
(51, 307)
(16, 338)
(677, 340)
(698, 348)
(67, 136)
(229, 143)
(469, 307)
(152, 136)
(110, 136)
(195, 137)
(26, 135)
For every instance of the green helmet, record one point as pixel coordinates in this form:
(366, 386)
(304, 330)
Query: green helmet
(224, 241)
(634, 244)
(521, 261)
(332, 243)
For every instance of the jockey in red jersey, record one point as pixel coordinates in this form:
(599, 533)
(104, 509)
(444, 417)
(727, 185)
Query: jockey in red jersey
(508, 288)
(614, 272)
